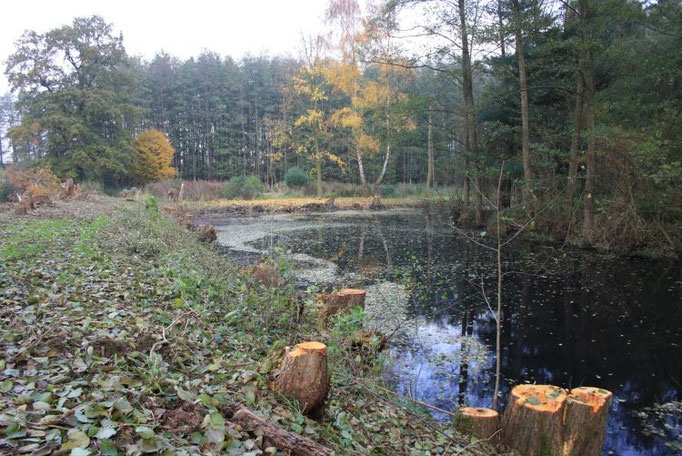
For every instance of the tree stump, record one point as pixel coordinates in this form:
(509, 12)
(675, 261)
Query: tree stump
(207, 234)
(533, 421)
(376, 204)
(303, 375)
(267, 274)
(482, 423)
(343, 300)
(587, 410)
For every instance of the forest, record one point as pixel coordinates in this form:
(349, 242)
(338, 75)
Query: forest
(579, 100)
(436, 227)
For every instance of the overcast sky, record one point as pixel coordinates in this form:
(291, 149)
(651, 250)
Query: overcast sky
(183, 29)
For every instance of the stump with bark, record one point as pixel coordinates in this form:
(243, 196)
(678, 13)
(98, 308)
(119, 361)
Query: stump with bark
(482, 423)
(343, 300)
(587, 410)
(70, 190)
(303, 375)
(25, 205)
(533, 421)
(207, 234)
(267, 274)
(376, 204)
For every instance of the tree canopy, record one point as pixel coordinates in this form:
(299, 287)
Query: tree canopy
(154, 156)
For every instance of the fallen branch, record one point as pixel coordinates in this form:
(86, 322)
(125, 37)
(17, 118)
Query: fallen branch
(288, 442)
(416, 401)
(163, 335)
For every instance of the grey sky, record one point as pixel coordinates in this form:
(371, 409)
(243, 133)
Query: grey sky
(183, 29)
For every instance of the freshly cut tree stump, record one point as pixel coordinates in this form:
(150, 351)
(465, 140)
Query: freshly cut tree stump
(288, 442)
(343, 300)
(303, 375)
(587, 410)
(533, 421)
(482, 423)
(207, 234)
(267, 274)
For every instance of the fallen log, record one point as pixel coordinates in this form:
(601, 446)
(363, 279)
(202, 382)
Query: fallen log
(286, 441)
(482, 423)
(533, 421)
(587, 410)
(344, 300)
(303, 375)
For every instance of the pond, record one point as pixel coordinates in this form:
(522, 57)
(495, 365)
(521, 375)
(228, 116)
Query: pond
(571, 318)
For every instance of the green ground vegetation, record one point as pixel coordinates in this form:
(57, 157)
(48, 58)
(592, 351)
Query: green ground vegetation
(121, 333)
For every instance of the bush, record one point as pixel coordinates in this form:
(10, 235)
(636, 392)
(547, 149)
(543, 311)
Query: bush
(295, 177)
(21, 180)
(5, 191)
(243, 187)
(387, 191)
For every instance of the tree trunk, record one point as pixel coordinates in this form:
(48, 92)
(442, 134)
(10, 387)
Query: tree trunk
(303, 375)
(533, 420)
(591, 156)
(587, 411)
(288, 442)
(361, 170)
(500, 275)
(318, 168)
(503, 51)
(525, 129)
(388, 148)
(471, 135)
(429, 152)
(482, 423)
(575, 143)
(344, 300)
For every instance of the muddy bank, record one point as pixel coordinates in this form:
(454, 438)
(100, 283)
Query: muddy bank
(295, 205)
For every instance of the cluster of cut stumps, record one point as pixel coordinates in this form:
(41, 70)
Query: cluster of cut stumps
(35, 196)
(544, 420)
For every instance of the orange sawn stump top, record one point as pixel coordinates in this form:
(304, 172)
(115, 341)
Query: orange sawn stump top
(308, 347)
(596, 398)
(542, 398)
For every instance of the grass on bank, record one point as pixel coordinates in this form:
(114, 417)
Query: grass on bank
(122, 334)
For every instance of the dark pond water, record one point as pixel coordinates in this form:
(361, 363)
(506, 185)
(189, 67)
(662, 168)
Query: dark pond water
(571, 318)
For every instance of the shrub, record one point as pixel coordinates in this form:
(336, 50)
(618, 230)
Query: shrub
(41, 180)
(295, 177)
(4, 187)
(243, 187)
(387, 191)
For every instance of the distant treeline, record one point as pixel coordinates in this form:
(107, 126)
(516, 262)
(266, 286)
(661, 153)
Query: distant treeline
(580, 100)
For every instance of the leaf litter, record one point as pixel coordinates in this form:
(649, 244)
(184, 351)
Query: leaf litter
(122, 334)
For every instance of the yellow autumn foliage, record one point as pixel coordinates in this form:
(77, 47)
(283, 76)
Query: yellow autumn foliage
(154, 156)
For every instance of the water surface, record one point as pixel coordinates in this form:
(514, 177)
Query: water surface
(571, 318)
